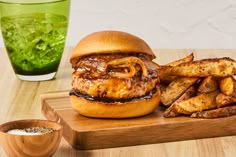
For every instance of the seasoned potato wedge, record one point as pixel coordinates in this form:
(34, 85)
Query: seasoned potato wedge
(219, 67)
(175, 89)
(227, 85)
(187, 94)
(234, 93)
(208, 84)
(216, 113)
(224, 100)
(186, 59)
(164, 75)
(198, 103)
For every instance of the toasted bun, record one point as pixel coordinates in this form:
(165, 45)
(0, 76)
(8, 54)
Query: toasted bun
(130, 109)
(103, 42)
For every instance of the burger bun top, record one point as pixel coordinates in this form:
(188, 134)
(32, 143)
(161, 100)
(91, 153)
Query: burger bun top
(109, 41)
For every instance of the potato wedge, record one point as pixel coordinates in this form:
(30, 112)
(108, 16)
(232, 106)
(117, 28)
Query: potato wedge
(198, 103)
(163, 87)
(227, 85)
(186, 59)
(175, 89)
(187, 94)
(165, 76)
(208, 84)
(219, 67)
(234, 93)
(224, 100)
(216, 113)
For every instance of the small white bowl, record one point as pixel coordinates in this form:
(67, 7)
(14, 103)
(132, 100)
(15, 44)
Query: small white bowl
(41, 145)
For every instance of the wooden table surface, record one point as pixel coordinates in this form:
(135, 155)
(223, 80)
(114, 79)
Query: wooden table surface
(21, 100)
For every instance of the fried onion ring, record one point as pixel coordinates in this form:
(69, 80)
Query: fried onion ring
(128, 62)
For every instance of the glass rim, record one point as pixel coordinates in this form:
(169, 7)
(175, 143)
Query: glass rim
(25, 2)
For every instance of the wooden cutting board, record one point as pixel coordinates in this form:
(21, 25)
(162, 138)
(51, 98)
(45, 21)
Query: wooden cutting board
(90, 133)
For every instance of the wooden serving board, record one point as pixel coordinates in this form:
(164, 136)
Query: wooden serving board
(90, 133)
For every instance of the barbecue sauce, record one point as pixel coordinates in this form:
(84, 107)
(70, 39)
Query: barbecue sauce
(110, 100)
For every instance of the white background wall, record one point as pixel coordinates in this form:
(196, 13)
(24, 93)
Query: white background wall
(161, 23)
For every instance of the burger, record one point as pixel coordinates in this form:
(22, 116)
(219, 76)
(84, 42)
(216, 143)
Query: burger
(114, 76)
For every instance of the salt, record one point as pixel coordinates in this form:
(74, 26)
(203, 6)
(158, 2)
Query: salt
(30, 131)
(21, 132)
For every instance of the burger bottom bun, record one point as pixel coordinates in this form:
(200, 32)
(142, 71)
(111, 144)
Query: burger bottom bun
(129, 109)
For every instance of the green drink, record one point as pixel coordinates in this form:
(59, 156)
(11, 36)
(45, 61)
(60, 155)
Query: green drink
(35, 38)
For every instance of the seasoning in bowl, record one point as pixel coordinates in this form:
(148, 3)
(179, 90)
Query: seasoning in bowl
(30, 137)
(31, 131)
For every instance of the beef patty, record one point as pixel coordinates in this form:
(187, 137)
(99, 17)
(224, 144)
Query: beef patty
(115, 76)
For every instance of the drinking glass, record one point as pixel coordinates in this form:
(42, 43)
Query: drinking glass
(34, 35)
